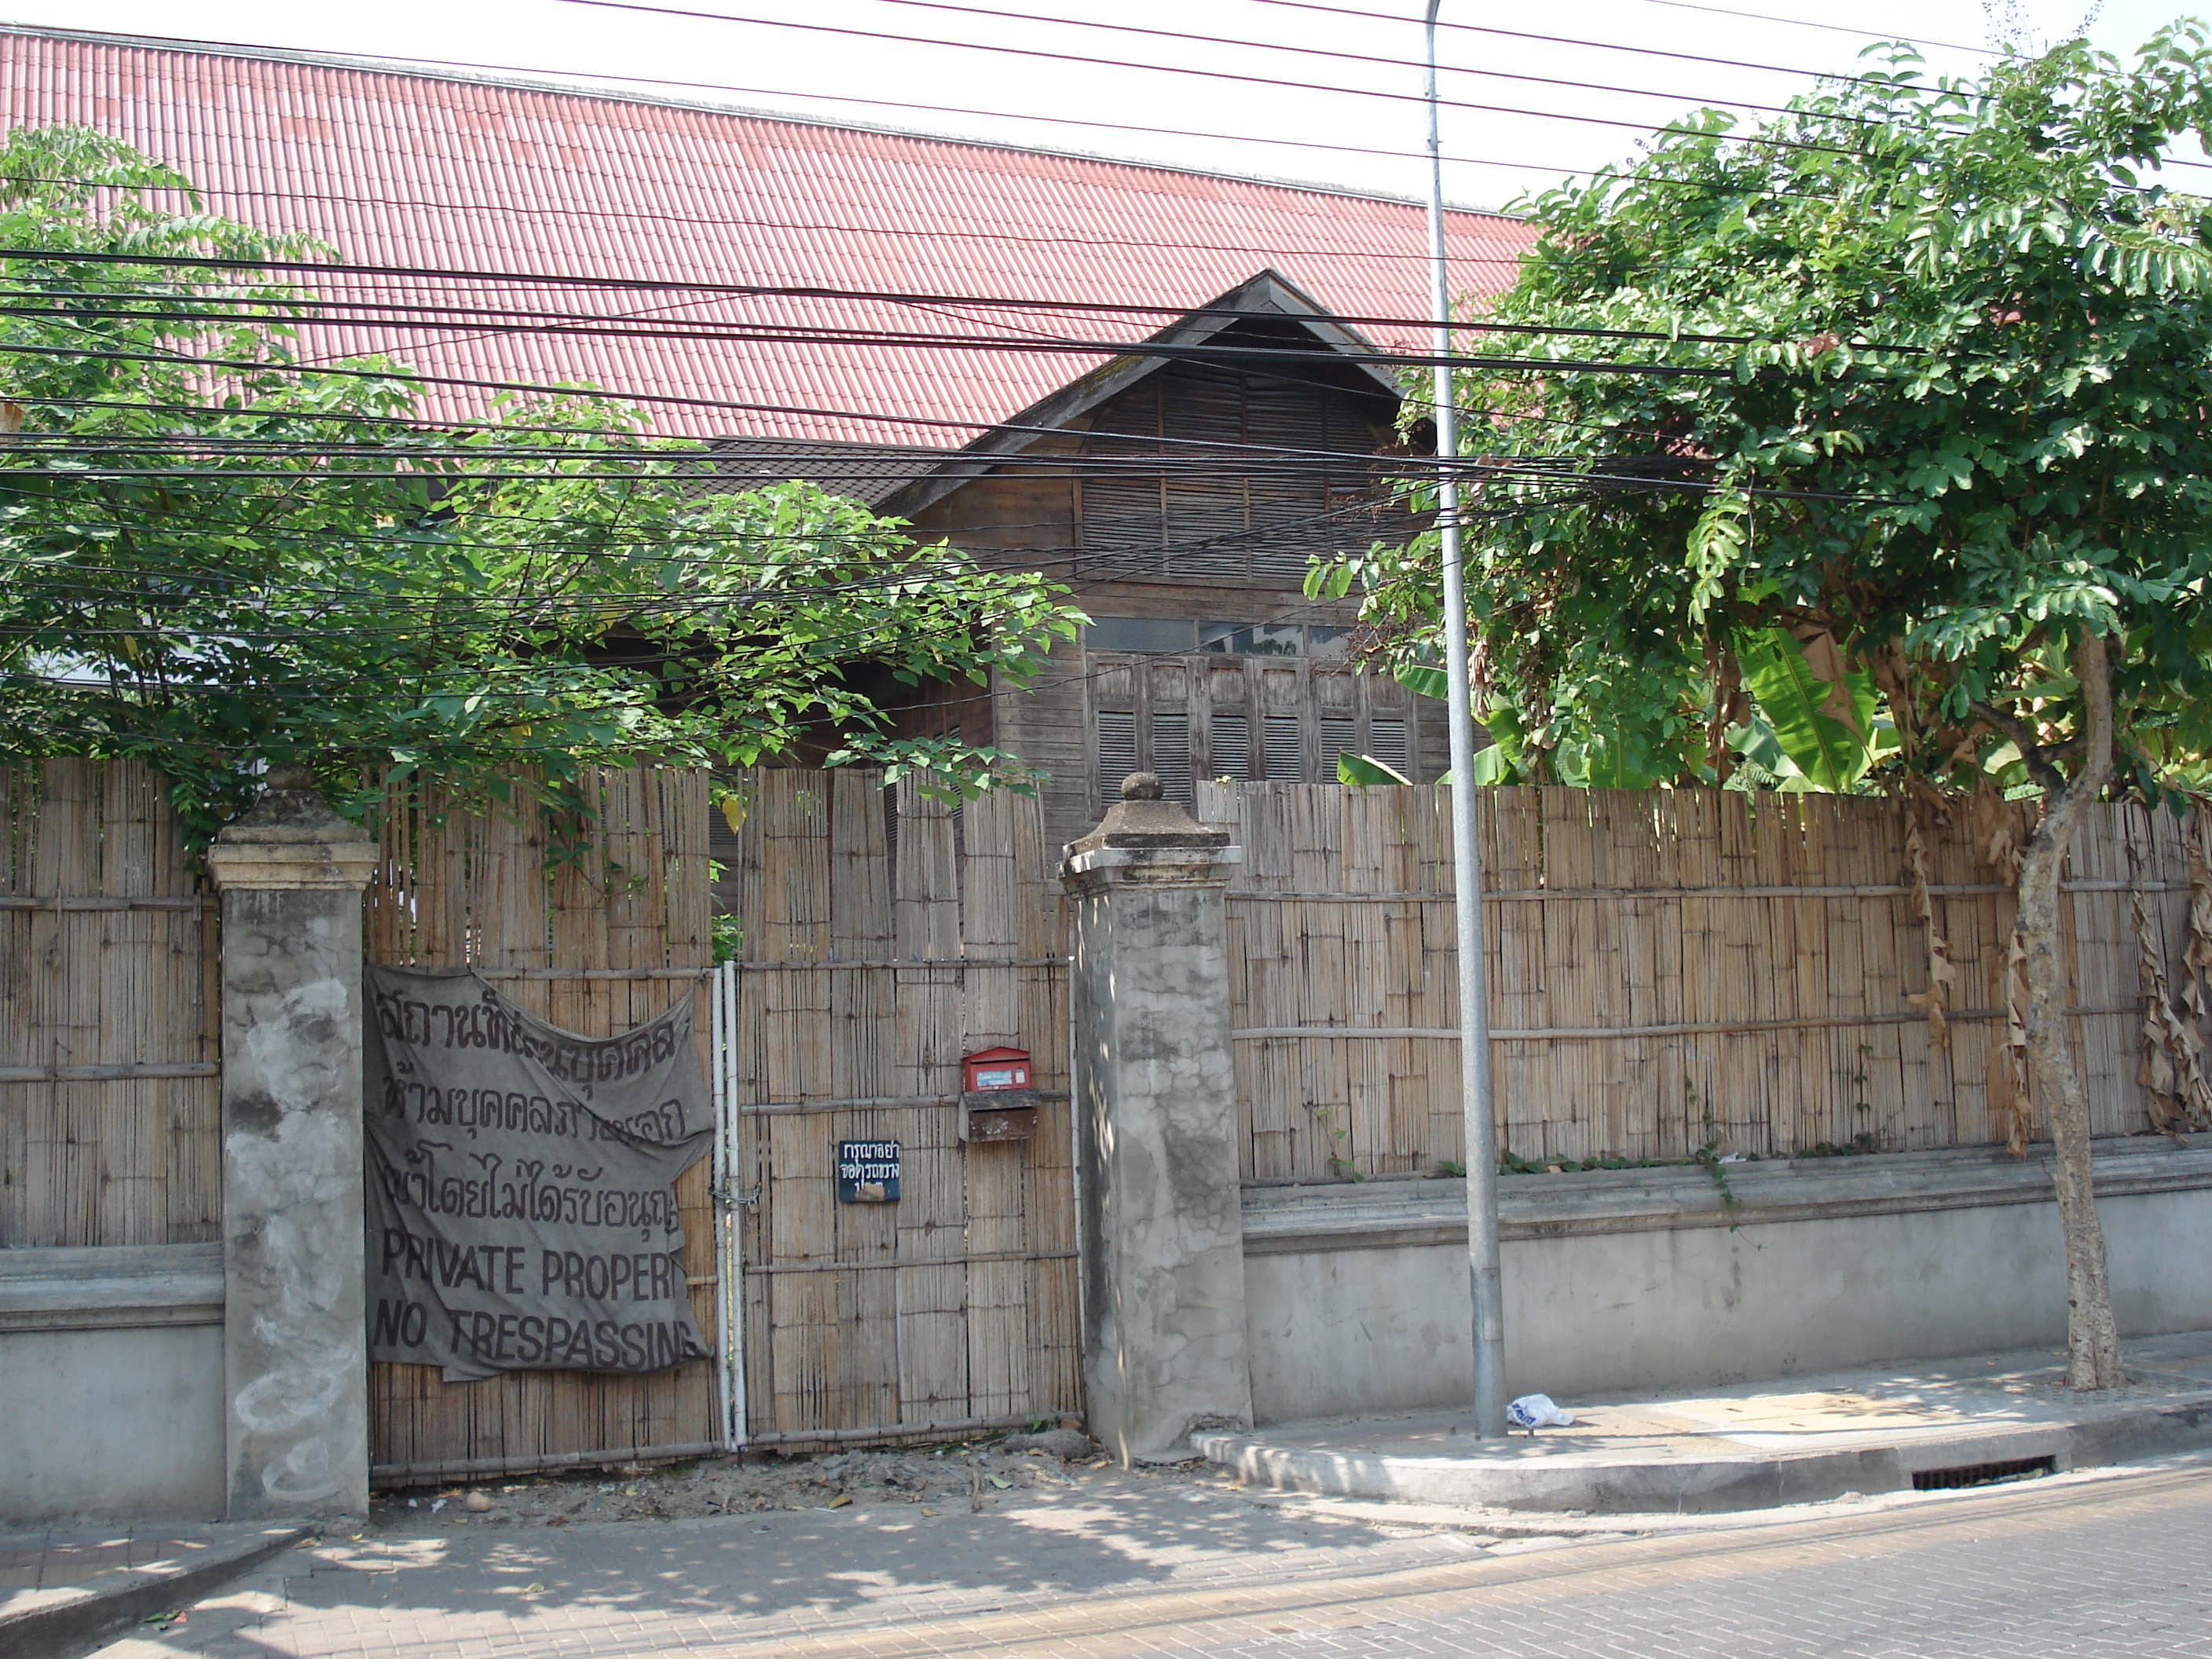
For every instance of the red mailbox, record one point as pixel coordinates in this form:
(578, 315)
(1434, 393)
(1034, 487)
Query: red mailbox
(997, 1068)
(997, 1102)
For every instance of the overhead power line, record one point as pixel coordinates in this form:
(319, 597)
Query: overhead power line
(815, 227)
(1564, 41)
(355, 198)
(1863, 34)
(890, 572)
(567, 323)
(1301, 613)
(1332, 52)
(1189, 70)
(1138, 467)
(731, 446)
(1393, 63)
(595, 76)
(415, 377)
(481, 679)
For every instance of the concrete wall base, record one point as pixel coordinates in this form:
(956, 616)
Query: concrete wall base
(1357, 1296)
(110, 1384)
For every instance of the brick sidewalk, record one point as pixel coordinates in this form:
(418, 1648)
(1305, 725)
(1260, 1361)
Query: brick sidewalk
(2103, 1564)
(56, 1557)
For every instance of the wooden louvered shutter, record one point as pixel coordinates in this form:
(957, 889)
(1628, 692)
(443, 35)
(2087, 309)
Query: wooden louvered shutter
(1122, 510)
(1117, 753)
(1170, 744)
(1389, 745)
(1232, 745)
(1208, 512)
(1291, 497)
(1340, 736)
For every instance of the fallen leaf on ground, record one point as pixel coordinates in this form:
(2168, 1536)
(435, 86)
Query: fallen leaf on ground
(837, 1503)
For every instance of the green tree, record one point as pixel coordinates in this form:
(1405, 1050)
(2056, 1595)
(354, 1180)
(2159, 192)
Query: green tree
(214, 557)
(1927, 506)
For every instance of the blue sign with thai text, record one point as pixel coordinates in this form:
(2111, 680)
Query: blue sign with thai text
(868, 1171)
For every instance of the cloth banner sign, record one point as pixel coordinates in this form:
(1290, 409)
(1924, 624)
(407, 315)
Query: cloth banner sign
(521, 1183)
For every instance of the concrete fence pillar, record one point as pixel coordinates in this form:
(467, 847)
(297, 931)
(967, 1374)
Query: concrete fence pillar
(1155, 1107)
(295, 1356)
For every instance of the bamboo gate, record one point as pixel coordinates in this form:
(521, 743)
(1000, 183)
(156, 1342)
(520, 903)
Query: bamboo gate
(595, 938)
(882, 941)
(882, 936)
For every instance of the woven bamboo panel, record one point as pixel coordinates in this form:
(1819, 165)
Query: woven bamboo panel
(1666, 969)
(957, 1302)
(113, 967)
(489, 889)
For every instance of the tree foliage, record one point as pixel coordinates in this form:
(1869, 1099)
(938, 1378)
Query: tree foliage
(1963, 413)
(1910, 489)
(214, 568)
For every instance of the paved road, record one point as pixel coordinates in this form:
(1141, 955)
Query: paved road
(2106, 1565)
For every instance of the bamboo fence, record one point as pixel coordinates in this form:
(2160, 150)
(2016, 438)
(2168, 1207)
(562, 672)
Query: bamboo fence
(608, 934)
(110, 1088)
(1669, 970)
(883, 941)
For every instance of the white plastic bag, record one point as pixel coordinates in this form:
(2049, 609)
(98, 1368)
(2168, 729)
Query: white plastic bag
(1538, 1411)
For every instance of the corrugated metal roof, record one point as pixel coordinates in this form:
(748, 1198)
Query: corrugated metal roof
(867, 472)
(401, 166)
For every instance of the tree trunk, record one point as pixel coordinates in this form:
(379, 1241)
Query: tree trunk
(2092, 1342)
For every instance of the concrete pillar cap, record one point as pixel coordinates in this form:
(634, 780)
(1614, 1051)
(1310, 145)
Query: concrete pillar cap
(290, 838)
(1143, 818)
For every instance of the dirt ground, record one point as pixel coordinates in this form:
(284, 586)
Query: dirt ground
(969, 1474)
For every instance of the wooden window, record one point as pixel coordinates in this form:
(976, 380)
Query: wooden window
(1146, 633)
(1286, 719)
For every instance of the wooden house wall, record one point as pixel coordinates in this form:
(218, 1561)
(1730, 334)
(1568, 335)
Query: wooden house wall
(1126, 525)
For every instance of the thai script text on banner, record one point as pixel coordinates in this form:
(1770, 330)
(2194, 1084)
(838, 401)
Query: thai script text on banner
(521, 1183)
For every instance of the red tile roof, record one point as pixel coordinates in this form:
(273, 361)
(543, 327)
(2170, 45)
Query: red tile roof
(396, 165)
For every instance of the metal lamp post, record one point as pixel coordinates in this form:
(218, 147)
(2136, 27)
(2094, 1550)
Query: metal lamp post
(1482, 1249)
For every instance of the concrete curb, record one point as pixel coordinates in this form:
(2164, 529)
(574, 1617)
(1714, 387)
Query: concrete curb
(58, 1623)
(1524, 1525)
(1748, 1480)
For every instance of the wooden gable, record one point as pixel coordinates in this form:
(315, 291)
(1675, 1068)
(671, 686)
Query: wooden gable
(1252, 513)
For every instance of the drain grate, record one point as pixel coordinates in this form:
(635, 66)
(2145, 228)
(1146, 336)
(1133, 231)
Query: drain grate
(1982, 1474)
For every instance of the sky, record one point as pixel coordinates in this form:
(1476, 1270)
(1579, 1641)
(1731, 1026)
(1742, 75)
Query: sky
(1327, 131)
